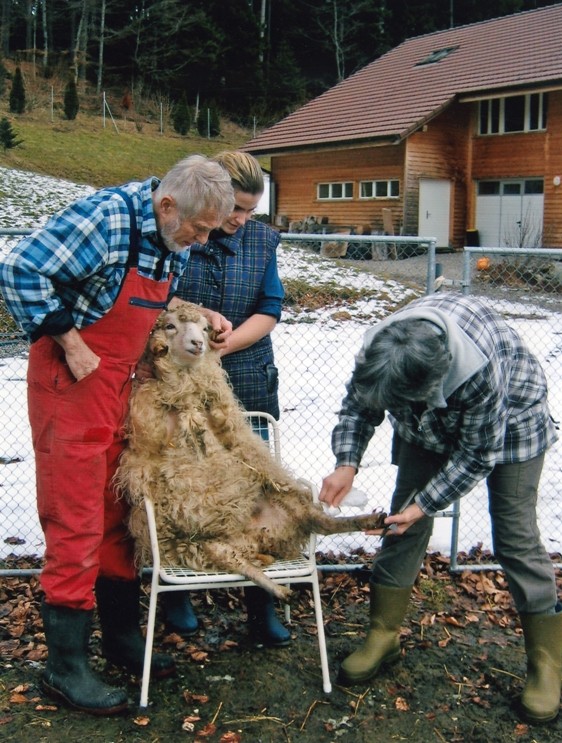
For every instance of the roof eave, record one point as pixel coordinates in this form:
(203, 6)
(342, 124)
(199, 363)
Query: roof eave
(380, 141)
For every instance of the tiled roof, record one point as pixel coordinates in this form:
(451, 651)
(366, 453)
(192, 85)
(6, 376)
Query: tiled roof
(394, 95)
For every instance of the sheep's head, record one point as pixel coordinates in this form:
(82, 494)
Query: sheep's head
(181, 335)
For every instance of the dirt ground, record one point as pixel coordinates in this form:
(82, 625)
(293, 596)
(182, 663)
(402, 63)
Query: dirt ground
(463, 665)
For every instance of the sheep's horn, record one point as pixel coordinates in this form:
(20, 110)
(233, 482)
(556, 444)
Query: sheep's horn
(159, 349)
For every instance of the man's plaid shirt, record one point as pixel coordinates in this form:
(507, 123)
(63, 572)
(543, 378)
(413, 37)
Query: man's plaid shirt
(500, 415)
(69, 272)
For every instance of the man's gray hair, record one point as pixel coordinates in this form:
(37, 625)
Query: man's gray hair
(197, 184)
(404, 362)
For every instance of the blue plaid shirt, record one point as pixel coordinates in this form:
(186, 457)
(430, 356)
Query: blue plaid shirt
(500, 415)
(68, 273)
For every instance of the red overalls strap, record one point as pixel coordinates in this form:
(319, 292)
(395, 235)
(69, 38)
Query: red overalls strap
(77, 430)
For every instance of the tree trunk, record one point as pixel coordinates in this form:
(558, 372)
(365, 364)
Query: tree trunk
(5, 27)
(45, 35)
(100, 51)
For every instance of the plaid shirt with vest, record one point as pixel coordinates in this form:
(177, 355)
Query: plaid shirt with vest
(237, 276)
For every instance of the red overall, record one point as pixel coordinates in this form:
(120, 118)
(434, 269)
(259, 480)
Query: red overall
(77, 430)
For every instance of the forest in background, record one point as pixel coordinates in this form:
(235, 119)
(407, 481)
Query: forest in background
(254, 60)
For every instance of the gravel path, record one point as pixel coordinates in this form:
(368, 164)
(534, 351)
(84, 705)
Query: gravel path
(415, 269)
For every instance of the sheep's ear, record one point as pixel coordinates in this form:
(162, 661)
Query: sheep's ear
(159, 348)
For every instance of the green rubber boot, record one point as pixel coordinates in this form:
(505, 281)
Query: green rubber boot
(382, 644)
(540, 700)
(68, 676)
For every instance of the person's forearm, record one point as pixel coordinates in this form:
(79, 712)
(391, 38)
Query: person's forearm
(251, 331)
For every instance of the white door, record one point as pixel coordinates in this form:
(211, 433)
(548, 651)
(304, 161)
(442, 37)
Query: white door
(435, 210)
(510, 213)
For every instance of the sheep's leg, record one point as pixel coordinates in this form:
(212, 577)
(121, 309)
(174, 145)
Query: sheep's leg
(323, 523)
(224, 556)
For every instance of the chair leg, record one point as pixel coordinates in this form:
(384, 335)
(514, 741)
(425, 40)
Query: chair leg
(327, 684)
(149, 644)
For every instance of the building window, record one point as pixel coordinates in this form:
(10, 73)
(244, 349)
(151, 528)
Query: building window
(333, 191)
(510, 188)
(437, 55)
(517, 113)
(379, 189)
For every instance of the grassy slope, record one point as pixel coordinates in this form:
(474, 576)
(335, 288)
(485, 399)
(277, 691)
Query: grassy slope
(84, 151)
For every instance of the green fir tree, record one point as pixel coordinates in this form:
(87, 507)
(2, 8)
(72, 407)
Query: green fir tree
(71, 103)
(17, 93)
(181, 118)
(208, 123)
(8, 137)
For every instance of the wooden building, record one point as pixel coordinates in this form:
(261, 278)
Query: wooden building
(458, 133)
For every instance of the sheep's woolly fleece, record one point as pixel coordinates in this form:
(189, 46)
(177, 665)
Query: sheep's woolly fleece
(221, 500)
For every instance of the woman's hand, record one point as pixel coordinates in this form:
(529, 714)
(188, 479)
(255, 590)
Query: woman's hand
(403, 520)
(337, 485)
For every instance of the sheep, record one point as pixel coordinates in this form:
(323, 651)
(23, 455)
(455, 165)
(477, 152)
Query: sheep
(221, 500)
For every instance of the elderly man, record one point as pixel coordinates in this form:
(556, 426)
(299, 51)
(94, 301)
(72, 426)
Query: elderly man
(87, 288)
(467, 401)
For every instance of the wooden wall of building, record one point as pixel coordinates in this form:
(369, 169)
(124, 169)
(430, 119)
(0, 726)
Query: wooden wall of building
(296, 178)
(440, 150)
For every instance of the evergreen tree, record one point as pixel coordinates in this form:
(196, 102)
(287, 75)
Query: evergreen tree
(71, 104)
(181, 118)
(8, 137)
(3, 76)
(208, 123)
(17, 93)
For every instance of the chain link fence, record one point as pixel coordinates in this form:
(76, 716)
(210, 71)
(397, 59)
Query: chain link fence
(330, 303)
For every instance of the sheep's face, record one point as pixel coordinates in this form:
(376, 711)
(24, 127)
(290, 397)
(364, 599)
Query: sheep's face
(180, 335)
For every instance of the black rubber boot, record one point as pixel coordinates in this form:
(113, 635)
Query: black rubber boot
(122, 641)
(264, 626)
(179, 614)
(68, 675)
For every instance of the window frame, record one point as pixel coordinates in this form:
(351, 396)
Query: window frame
(330, 185)
(376, 182)
(492, 114)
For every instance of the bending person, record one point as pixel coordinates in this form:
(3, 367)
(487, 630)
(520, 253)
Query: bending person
(467, 401)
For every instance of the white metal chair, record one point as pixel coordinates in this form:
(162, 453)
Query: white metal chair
(177, 578)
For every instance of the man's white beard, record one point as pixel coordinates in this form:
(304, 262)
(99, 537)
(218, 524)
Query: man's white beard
(166, 233)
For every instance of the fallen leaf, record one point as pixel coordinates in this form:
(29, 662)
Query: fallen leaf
(230, 737)
(142, 721)
(401, 704)
(198, 656)
(18, 699)
(192, 698)
(205, 732)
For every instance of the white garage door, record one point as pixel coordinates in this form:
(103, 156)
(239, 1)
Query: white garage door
(510, 213)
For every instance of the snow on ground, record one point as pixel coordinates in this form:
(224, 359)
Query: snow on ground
(315, 353)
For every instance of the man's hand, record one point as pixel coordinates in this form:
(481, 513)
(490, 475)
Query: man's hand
(80, 358)
(337, 485)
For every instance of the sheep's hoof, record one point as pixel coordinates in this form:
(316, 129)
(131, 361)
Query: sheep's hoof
(283, 593)
(265, 559)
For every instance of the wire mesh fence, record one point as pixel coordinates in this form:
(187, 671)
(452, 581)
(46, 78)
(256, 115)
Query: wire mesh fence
(330, 303)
